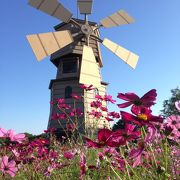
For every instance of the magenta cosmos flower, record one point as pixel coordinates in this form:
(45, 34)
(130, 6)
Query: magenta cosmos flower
(128, 133)
(75, 96)
(106, 137)
(144, 117)
(8, 167)
(70, 154)
(86, 87)
(177, 104)
(132, 99)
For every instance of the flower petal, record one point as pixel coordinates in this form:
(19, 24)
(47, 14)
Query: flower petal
(129, 118)
(104, 134)
(149, 96)
(124, 105)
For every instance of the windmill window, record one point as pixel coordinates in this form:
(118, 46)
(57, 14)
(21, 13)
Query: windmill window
(69, 67)
(68, 92)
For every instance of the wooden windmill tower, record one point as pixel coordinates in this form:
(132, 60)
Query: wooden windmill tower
(74, 50)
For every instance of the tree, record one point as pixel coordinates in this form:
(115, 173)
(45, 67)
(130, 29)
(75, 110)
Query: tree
(119, 125)
(169, 105)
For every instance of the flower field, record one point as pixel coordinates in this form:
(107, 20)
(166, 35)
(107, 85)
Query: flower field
(145, 147)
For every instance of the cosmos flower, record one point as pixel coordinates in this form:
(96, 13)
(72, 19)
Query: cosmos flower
(75, 96)
(132, 99)
(106, 137)
(173, 121)
(71, 127)
(70, 154)
(96, 104)
(144, 117)
(151, 134)
(95, 114)
(86, 87)
(104, 109)
(177, 104)
(8, 167)
(50, 130)
(114, 115)
(99, 97)
(76, 112)
(12, 135)
(108, 98)
(3, 132)
(129, 133)
(57, 116)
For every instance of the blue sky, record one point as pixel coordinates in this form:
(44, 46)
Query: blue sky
(155, 37)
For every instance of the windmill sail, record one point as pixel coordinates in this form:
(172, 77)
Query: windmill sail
(119, 18)
(53, 8)
(127, 56)
(47, 43)
(89, 68)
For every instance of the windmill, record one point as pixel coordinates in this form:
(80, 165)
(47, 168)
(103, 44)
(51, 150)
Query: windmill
(74, 50)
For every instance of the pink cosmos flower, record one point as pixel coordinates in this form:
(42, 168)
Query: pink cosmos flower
(3, 132)
(71, 127)
(128, 133)
(64, 106)
(12, 135)
(76, 112)
(52, 167)
(86, 87)
(143, 117)
(50, 130)
(106, 137)
(110, 151)
(96, 104)
(108, 98)
(151, 134)
(75, 96)
(99, 97)
(173, 121)
(104, 109)
(58, 101)
(95, 114)
(177, 104)
(60, 116)
(132, 99)
(114, 115)
(70, 154)
(8, 167)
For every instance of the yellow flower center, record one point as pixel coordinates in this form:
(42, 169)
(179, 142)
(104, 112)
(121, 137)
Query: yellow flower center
(142, 117)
